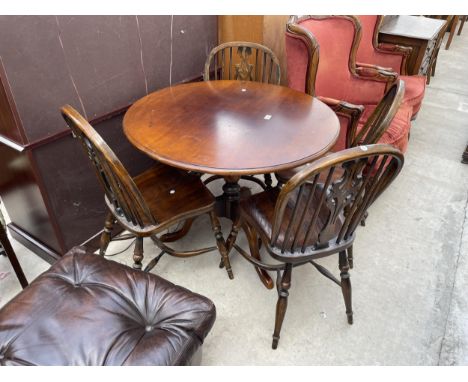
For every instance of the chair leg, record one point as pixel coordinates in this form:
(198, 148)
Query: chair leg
(346, 285)
(350, 257)
(282, 285)
(452, 31)
(463, 19)
(138, 253)
(106, 233)
(364, 217)
(268, 180)
(220, 244)
(255, 253)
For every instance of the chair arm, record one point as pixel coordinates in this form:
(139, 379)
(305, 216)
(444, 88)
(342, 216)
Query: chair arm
(394, 49)
(403, 51)
(361, 64)
(376, 73)
(348, 110)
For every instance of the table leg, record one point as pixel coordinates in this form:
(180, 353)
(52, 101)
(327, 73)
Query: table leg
(227, 205)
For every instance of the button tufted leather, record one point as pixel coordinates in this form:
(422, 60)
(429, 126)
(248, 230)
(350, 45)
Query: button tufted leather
(86, 310)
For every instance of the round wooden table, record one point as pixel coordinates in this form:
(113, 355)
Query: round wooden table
(231, 129)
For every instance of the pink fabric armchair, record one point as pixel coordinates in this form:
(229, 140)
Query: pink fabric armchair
(392, 56)
(321, 60)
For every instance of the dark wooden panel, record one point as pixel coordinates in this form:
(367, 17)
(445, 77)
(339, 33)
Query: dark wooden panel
(10, 125)
(22, 197)
(38, 74)
(155, 32)
(99, 65)
(33, 244)
(103, 54)
(193, 37)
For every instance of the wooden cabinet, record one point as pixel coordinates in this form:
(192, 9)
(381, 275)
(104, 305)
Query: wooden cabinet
(100, 65)
(420, 33)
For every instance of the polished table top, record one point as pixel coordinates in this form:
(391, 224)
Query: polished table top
(231, 128)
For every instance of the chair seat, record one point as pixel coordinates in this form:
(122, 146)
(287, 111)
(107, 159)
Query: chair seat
(172, 194)
(415, 87)
(259, 210)
(397, 133)
(86, 310)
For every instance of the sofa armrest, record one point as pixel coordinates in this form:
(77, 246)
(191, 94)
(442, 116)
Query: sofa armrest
(348, 110)
(376, 73)
(363, 65)
(403, 51)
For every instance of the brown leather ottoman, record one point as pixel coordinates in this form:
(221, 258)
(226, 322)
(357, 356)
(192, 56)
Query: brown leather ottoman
(86, 310)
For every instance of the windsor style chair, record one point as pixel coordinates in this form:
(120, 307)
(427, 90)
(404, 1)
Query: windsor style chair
(243, 61)
(306, 220)
(369, 131)
(148, 204)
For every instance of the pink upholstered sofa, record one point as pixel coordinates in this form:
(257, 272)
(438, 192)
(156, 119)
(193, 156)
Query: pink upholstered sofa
(391, 56)
(321, 61)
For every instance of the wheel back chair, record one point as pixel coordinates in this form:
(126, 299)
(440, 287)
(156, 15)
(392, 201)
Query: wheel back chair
(148, 204)
(391, 56)
(323, 64)
(315, 215)
(368, 133)
(243, 61)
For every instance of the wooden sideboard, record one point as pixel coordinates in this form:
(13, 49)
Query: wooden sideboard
(100, 65)
(420, 33)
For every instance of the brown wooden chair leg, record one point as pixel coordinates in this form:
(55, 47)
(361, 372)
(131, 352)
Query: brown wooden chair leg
(268, 180)
(433, 68)
(346, 285)
(255, 252)
(221, 244)
(364, 217)
(5, 242)
(282, 284)
(138, 253)
(350, 257)
(106, 233)
(452, 31)
(463, 19)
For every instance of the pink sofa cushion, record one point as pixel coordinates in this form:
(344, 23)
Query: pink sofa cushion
(415, 87)
(397, 133)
